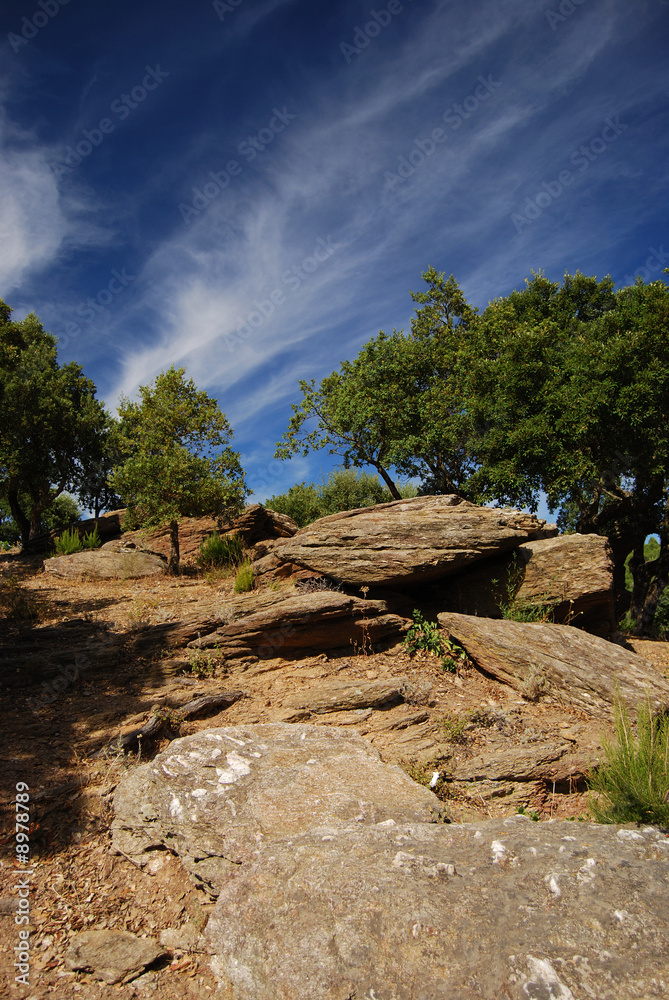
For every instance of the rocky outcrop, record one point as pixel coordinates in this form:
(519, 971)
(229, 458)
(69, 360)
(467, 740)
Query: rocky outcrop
(332, 882)
(107, 563)
(570, 576)
(257, 524)
(283, 625)
(343, 696)
(404, 542)
(557, 662)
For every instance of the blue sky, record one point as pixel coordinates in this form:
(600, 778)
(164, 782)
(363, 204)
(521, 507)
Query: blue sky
(251, 188)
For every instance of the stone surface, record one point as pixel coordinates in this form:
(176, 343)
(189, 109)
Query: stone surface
(558, 662)
(105, 563)
(333, 883)
(572, 574)
(344, 696)
(214, 796)
(113, 956)
(405, 541)
(285, 625)
(503, 908)
(257, 524)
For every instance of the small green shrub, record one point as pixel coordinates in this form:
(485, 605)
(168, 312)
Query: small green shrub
(92, 539)
(426, 636)
(244, 578)
(633, 782)
(68, 542)
(534, 816)
(221, 551)
(200, 664)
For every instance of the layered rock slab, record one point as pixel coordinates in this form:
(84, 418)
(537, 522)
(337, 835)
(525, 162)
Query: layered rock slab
(570, 575)
(558, 661)
(405, 541)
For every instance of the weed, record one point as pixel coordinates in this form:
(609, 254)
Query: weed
(244, 578)
(534, 685)
(432, 774)
(216, 551)
(453, 727)
(92, 539)
(426, 636)
(15, 604)
(139, 615)
(517, 610)
(315, 583)
(200, 664)
(68, 542)
(633, 782)
(534, 816)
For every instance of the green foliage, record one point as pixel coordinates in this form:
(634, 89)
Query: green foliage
(426, 636)
(221, 551)
(633, 782)
(68, 542)
(344, 489)
(50, 422)
(201, 664)
(91, 539)
(534, 816)
(244, 578)
(62, 512)
(301, 502)
(176, 458)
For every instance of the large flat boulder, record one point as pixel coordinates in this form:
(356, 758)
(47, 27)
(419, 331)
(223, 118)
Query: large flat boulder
(332, 882)
(558, 662)
(571, 576)
(214, 796)
(405, 541)
(106, 563)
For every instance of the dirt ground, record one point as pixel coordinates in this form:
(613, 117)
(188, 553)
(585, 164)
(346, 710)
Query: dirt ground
(55, 730)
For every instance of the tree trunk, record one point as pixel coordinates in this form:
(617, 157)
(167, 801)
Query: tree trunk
(394, 492)
(20, 518)
(173, 566)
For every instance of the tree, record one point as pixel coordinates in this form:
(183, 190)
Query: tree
(62, 512)
(344, 489)
(399, 403)
(569, 390)
(94, 487)
(50, 422)
(176, 459)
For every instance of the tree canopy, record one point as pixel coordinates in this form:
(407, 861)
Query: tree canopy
(175, 457)
(50, 422)
(556, 389)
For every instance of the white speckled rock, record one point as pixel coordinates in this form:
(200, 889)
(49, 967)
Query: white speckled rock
(331, 884)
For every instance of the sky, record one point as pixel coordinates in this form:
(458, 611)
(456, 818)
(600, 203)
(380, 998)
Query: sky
(251, 189)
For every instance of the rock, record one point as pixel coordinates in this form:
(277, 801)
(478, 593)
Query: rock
(192, 532)
(333, 883)
(257, 524)
(571, 574)
(343, 696)
(286, 625)
(496, 909)
(113, 956)
(576, 573)
(105, 563)
(214, 796)
(558, 661)
(405, 541)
